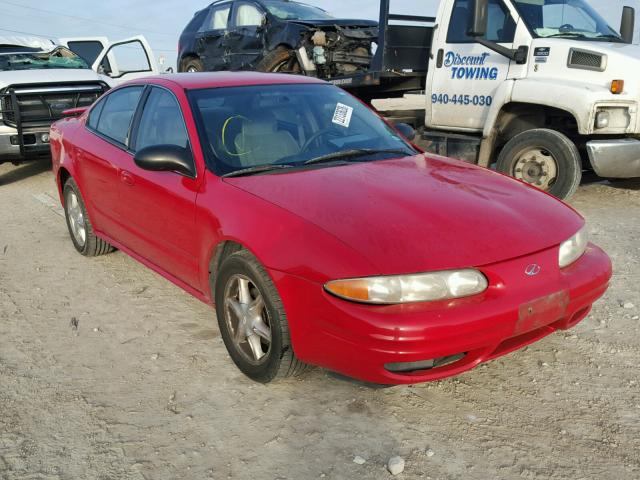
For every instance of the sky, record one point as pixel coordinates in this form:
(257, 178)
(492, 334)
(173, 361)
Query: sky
(161, 21)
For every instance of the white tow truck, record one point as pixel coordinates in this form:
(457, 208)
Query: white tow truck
(41, 78)
(537, 89)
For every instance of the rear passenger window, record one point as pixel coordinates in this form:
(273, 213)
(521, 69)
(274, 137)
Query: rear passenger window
(219, 18)
(161, 122)
(116, 115)
(500, 28)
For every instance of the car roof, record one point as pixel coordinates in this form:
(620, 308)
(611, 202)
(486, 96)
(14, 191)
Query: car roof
(201, 80)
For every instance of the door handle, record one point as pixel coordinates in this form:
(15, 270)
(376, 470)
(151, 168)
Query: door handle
(127, 178)
(440, 59)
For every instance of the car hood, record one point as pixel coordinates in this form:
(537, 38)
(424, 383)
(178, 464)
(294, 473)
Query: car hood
(341, 22)
(421, 213)
(53, 75)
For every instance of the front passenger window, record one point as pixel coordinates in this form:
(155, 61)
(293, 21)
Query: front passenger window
(118, 110)
(162, 122)
(248, 16)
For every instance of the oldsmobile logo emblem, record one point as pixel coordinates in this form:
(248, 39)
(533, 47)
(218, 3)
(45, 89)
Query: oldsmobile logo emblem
(533, 270)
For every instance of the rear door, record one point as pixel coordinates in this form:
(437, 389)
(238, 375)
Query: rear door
(467, 75)
(211, 39)
(158, 208)
(102, 154)
(246, 38)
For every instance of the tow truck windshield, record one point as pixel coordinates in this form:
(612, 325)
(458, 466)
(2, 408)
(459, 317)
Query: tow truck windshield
(23, 60)
(574, 19)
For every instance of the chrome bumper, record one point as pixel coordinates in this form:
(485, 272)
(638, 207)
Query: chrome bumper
(615, 158)
(33, 145)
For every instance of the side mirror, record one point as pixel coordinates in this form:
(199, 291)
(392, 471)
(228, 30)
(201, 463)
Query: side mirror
(479, 18)
(166, 158)
(628, 26)
(406, 130)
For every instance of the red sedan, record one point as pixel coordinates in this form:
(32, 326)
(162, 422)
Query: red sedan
(322, 236)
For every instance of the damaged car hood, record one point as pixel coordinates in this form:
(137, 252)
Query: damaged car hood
(420, 213)
(336, 22)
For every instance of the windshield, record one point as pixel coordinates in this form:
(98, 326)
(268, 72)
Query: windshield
(565, 18)
(270, 125)
(295, 11)
(59, 58)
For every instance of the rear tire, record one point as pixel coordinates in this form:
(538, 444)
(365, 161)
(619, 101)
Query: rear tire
(254, 313)
(544, 158)
(192, 65)
(281, 60)
(79, 224)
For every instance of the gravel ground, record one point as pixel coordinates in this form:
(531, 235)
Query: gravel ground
(107, 371)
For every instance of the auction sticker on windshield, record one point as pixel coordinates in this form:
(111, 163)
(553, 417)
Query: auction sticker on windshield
(342, 115)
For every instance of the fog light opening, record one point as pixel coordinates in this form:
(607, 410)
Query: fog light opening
(408, 367)
(44, 138)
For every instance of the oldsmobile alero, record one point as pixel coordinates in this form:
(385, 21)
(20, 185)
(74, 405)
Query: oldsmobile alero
(320, 233)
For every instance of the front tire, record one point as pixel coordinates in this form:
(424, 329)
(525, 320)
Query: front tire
(79, 224)
(252, 320)
(280, 60)
(544, 158)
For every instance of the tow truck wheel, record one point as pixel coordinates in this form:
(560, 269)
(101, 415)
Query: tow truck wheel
(80, 228)
(544, 158)
(281, 60)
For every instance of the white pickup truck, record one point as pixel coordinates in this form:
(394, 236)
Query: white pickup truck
(538, 89)
(39, 79)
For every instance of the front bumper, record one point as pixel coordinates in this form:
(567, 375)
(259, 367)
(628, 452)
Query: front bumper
(362, 341)
(615, 158)
(33, 144)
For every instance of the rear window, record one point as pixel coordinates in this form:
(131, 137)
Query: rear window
(117, 113)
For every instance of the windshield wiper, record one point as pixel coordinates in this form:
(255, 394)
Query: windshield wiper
(354, 153)
(256, 170)
(567, 34)
(610, 37)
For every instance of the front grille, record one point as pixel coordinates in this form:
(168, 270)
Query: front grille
(41, 105)
(586, 60)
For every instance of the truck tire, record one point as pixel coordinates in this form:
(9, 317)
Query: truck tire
(80, 228)
(192, 65)
(544, 158)
(252, 320)
(281, 60)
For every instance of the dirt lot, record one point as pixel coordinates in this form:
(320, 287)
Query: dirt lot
(144, 389)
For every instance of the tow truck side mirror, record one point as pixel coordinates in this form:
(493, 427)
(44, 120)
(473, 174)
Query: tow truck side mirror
(628, 25)
(479, 19)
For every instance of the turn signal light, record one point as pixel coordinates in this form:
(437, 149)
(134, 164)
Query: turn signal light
(617, 87)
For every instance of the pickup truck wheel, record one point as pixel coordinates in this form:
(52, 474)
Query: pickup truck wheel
(281, 60)
(252, 320)
(192, 65)
(544, 158)
(80, 229)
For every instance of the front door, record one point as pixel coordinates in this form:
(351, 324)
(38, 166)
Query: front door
(211, 39)
(246, 36)
(158, 208)
(466, 74)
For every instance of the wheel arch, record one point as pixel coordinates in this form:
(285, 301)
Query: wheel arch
(514, 118)
(186, 57)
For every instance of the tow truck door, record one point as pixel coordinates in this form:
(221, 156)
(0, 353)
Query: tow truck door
(127, 59)
(466, 74)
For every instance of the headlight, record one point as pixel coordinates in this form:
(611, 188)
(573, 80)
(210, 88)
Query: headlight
(574, 248)
(424, 287)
